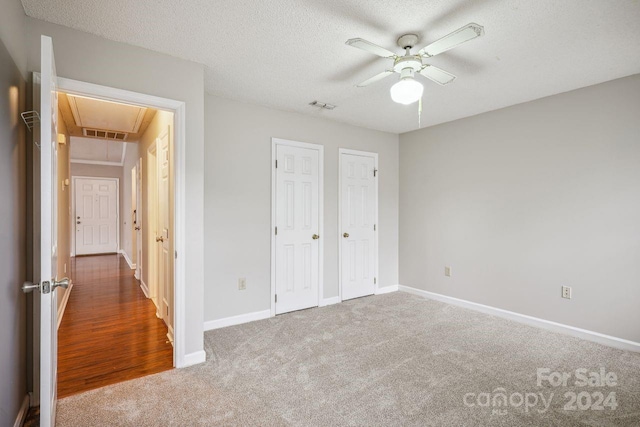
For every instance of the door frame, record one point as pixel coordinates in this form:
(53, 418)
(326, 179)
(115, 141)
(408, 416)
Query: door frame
(342, 151)
(73, 209)
(178, 108)
(320, 148)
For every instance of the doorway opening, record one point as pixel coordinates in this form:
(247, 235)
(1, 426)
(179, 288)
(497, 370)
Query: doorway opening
(116, 238)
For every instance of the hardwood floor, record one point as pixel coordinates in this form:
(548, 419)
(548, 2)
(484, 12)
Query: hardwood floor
(109, 332)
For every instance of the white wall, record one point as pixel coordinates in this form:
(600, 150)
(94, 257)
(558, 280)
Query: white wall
(238, 199)
(522, 200)
(89, 58)
(13, 33)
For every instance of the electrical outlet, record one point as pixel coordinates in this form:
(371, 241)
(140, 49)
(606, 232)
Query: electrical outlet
(447, 271)
(242, 283)
(566, 292)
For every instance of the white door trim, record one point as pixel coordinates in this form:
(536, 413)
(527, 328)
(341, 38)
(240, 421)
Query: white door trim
(320, 148)
(342, 151)
(72, 230)
(178, 108)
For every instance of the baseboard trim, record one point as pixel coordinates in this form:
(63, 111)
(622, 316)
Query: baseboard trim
(585, 334)
(387, 289)
(126, 258)
(194, 358)
(145, 288)
(63, 303)
(22, 414)
(236, 320)
(330, 301)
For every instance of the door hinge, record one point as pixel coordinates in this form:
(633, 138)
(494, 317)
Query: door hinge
(276, 164)
(276, 231)
(375, 172)
(176, 254)
(276, 297)
(375, 281)
(374, 227)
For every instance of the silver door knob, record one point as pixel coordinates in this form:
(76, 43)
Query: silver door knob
(63, 283)
(345, 235)
(30, 287)
(315, 237)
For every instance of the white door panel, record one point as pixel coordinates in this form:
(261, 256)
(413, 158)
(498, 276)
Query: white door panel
(47, 256)
(96, 215)
(297, 221)
(358, 207)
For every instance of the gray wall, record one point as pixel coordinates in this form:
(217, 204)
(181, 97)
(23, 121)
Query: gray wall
(522, 200)
(238, 199)
(13, 330)
(89, 58)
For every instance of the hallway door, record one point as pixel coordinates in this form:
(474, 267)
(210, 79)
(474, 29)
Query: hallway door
(165, 260)
(96, 216)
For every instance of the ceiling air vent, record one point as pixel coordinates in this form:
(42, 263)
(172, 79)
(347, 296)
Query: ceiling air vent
(104, 134)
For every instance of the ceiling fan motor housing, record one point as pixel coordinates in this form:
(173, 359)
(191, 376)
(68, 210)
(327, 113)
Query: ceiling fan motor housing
(413, 62)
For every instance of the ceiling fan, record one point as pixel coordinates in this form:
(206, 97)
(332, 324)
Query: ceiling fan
(408, 90)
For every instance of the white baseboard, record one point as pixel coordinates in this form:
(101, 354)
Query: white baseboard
(387, 289)
(194, 358)
(330, 301)
(22, 414)
(236, 320)
(63, 303)
(585, 334)
(145, 288)
(126, 258)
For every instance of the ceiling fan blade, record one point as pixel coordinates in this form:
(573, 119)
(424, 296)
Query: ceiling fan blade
(459, 36)
(375, 78)
(370, 47)
(437, 75)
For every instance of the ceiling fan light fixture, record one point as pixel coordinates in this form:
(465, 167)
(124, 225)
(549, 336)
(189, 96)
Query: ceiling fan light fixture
(406, 91)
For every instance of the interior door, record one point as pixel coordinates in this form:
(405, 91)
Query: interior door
(358, 206)
(96, 202)
(297, 224)
(48, 233)
(138, 224)
(165, 261)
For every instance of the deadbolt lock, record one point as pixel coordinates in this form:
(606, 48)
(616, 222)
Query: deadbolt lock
(315, 237)
(345, 235)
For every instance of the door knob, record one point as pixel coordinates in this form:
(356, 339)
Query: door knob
(29, 287)
(78, 222)
(63, 283)
(46, 287)
(345, 235)
(315, 237)
(159, 239)
(137, 228)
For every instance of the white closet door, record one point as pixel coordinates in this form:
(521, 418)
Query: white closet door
(358, 212)
(297, 222)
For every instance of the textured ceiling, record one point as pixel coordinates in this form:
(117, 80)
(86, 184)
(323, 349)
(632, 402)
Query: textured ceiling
(286, 53)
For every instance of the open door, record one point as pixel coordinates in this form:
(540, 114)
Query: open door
(46, 196)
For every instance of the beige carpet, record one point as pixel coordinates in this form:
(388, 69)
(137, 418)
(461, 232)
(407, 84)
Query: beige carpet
(394, 359)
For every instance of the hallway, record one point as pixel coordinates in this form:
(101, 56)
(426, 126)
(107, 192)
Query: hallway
(109, 332)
